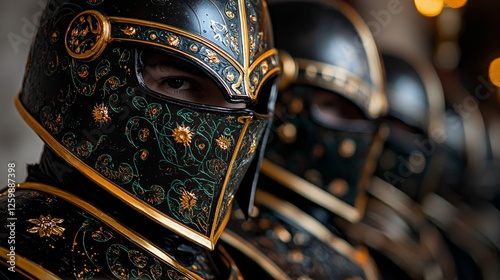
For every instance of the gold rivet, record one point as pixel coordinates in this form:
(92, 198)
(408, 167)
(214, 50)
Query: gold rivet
(230, 14)
(313, 176)
(338, 187)
(347, 148)
(194, 48)
(296, 105)
(287, 133)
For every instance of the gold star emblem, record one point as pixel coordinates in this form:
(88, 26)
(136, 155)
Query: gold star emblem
(182, 135)
(46, 226)
(100, 113)
(188, 200)
(223, 142)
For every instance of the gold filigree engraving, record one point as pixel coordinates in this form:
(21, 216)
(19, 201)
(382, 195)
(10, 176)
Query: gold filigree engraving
(264, 67)
(253, 146)
(129, 31)
(87, 35)
(230, 76)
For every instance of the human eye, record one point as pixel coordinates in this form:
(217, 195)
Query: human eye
(176, 79)
(171, 82)
(175, 84)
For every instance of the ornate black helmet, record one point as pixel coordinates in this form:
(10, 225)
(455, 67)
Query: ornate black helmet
(415, 119)
(326, 135)
(178, 162)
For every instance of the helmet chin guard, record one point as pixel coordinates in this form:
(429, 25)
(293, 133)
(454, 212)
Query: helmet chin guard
(177, 162)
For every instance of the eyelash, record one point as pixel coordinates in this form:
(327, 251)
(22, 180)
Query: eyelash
(165, 83)
(192, 90)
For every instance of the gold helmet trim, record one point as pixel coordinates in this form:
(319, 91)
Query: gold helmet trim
(102, 30)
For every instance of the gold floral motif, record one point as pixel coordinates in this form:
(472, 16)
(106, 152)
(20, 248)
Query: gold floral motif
(46, 226)
(255, 80)
(100, 113)
(152, 36)
(230, 76)
(182, 135)
(144, 134)
(252, 45)
(264, 67)
(234, 44)
(188, 200)
(53, 126)
(129, 31)
(173, 40)
(253, 146)
(223, 142)
(212, 57)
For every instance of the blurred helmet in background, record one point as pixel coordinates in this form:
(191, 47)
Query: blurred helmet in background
(325, 134)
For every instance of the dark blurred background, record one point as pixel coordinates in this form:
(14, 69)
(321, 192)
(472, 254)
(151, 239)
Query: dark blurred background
(18, 143)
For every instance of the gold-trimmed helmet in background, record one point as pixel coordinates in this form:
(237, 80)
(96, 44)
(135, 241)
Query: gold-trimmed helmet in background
(326, 135)
(322, 151)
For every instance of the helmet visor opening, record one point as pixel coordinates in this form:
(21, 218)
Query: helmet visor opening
(334, 111)
(178, 79)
